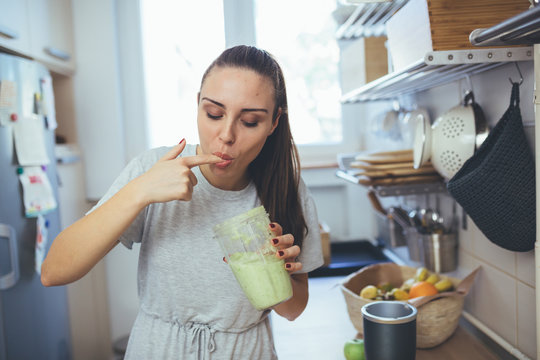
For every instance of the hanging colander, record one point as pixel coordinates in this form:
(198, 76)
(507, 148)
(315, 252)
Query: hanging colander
(456, 135)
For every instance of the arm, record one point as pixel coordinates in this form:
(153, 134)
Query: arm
(82, 245)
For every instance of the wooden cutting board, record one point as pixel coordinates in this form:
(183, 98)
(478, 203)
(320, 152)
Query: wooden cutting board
(402, 180)
(381, 167)
(400, 172)
(386, 157)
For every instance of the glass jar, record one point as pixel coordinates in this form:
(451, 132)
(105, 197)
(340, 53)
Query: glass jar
(246, 241)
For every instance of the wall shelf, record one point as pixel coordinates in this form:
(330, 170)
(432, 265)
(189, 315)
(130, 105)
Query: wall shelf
(368, 19)
(436, 68)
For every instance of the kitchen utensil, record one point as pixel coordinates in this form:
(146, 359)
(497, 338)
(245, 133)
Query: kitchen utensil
(389, 330)
(422, 139)
(439, 252)
(454, 136)
(372, 196)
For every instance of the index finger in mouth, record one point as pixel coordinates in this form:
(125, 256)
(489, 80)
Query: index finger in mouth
(196, 160)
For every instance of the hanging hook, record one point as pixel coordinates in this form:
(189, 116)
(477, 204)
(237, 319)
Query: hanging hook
(520, 76)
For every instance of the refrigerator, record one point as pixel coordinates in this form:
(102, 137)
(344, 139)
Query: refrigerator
(34, 321)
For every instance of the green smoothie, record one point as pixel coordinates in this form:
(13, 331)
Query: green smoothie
(262, 277)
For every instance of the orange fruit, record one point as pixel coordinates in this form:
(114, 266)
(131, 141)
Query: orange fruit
(422, 288)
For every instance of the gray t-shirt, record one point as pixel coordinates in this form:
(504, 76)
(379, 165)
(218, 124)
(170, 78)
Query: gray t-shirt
(191, 306)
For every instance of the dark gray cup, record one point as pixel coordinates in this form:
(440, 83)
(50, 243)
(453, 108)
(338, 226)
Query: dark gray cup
(389, 330)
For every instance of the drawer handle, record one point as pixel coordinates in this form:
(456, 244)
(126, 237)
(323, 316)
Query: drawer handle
(10, 279)
(8, 32)
(57, 53)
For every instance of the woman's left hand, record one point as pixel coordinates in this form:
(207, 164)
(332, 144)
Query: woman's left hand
(285, 248)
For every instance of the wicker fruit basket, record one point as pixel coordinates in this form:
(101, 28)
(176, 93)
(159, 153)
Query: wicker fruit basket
(438, 315)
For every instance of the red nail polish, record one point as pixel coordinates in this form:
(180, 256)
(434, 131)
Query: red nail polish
(275, 241)
(181, 141)
(288, 266)
(272, 225)
(281, 253)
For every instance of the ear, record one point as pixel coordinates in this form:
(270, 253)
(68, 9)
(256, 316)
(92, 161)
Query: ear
(276, 122)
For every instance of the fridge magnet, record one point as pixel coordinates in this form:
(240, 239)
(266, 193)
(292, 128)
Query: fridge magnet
(47, 102)
(38, 196)
(8, 101)
(28, 132)
(41, 241)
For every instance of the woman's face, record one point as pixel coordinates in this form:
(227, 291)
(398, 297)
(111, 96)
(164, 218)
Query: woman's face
(234, 118)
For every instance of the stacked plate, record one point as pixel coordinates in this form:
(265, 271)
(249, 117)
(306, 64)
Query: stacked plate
(392, 168)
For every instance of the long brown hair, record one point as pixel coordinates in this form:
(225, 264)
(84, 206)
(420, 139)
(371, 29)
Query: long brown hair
(276, 170)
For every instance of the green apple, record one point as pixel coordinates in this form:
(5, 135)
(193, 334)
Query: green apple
(354, 350)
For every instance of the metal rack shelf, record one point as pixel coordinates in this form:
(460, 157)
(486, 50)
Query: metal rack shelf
(522, 29)
(397, 190)
(368, 19)
(437, 68)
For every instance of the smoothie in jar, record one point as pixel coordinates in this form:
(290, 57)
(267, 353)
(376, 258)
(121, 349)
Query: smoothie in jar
(246, 242)
(262, 277)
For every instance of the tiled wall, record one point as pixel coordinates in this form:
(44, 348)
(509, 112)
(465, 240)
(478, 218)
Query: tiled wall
(503, 295)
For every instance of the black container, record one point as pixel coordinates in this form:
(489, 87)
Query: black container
(389, 330)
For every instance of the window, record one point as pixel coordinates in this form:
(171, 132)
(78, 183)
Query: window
(300, 34)
(180, 40)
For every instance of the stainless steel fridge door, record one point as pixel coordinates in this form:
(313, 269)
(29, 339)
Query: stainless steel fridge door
(34, 319)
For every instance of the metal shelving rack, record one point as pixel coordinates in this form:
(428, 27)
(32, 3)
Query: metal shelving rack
(368, 19)
(436, 68)
(523, 29)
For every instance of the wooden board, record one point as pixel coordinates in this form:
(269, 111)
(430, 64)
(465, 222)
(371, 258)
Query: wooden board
(402, 180)
(385, 159)
(381, 167)
(397, 172)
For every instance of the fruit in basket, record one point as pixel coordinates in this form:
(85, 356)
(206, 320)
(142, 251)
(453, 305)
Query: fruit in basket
(443, 285)
(354, 350)
(369, 292)
(406, 286)
(399, 294)
(432, 278)
(422, 288)
(421, 274)
(385, 287)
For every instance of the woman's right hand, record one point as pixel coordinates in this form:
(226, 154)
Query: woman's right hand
(171, 177)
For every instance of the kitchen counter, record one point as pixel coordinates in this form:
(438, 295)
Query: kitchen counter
(324, 327)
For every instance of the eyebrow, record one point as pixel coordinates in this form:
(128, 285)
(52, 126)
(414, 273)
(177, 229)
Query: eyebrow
(243, 110)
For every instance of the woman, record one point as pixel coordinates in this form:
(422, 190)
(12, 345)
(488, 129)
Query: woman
(168, 199)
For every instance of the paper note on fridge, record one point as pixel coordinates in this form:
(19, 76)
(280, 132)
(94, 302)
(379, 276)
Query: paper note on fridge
(28, 132)
(8, 101)
(47, 99)
(38, 196)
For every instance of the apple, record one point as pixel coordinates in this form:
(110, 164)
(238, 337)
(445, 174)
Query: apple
(354, 350)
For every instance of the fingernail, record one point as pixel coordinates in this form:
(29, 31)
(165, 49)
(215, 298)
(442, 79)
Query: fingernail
(181, 141)
(288, 266)
(224, 259)
(281, 253)
(272, 225)
(275, 241)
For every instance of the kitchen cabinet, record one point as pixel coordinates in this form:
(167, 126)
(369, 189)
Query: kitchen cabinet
(51, 31)
(14, 26)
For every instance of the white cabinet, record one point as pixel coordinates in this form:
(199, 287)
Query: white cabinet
(14, 26)
(51, 29)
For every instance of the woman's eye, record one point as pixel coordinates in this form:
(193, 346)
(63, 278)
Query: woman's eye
(250, 124)
(215, 117)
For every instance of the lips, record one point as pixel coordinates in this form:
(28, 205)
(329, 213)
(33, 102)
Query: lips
(227, 160)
